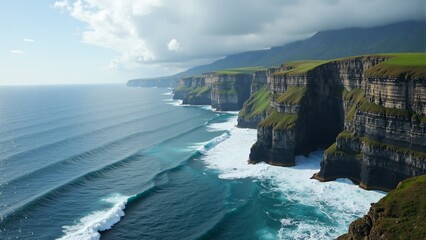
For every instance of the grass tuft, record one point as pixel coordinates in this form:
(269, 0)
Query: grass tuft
(299, 67)
(279, 121)
(293, 95)
(256, 105)
(247, 70)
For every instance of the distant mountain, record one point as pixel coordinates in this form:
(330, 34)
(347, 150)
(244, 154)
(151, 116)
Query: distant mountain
(399, 37)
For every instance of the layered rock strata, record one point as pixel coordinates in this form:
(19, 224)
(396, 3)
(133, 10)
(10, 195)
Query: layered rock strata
(380, 118)
(224, 92)
(256, 108)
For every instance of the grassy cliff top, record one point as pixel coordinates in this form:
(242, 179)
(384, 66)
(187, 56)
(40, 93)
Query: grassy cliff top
(411, 65)
(299, 67)
(279, 121)
(256, 105)
(399, 215)
(293, 95)
(246, 70)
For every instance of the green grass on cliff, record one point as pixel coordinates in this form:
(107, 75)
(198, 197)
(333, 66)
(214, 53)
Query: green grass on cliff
(346, 134)
(410, 65)
(334, 151)
(279, 121)
(299, 67)
(182, 89)
(419, 118)
(359, 101)
(378, 109)
(393, 148)
(199, 90)
(227, 91)
(402, 213)
(247, 70)
(356, 97)
(256, 105)
(293, 95)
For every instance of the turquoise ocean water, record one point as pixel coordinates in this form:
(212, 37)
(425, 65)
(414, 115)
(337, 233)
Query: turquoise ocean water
(111, 162)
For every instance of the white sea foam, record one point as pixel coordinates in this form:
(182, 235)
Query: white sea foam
(211, 144)
(88, 227)
(228, 125)
(207, 107)
(179, 103)
(340, 201)
(175, 102)
(168, 93)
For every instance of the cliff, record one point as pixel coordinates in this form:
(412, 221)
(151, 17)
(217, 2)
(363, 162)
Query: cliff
(375, 105)
(256, 108)
(399, 215)
(225, 90)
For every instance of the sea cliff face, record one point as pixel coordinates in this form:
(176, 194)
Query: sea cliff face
(224, 92)
(380, 118)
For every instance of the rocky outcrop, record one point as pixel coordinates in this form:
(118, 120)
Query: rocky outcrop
(255, 109)
(386, 145)
(193, 90)
(399, 215)
(224, 92)
(380, 118)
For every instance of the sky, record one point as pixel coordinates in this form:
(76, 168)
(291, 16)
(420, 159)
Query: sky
(112, 41)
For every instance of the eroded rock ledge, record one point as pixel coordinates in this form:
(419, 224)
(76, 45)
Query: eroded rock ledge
(376, 112)
(224, 92)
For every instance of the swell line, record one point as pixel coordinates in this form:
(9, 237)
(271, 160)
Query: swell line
(93, 151)
(61, 126)
(34, 134)
(35, 116)
(62, 141)
(52, 193)
(190, 130)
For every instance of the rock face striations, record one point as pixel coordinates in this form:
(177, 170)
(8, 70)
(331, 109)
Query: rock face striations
(375, 105)
(223, 91)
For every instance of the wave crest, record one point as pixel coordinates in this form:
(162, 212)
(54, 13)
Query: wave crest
(89, 226)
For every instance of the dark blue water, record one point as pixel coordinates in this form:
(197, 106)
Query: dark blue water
(76, 161)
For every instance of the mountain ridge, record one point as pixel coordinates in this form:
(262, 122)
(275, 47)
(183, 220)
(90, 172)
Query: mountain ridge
(329, 44)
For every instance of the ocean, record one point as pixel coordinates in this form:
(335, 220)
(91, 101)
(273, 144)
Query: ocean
(112, 162)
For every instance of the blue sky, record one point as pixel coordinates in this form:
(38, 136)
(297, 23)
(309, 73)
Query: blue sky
(108, 41)
(57, 54)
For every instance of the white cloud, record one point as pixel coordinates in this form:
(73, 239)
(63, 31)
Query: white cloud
(61, 4)
(17, 51)
(28, 40)
(174, 46)
(139, 29)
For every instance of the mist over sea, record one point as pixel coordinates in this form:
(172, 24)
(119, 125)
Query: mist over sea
(112, 162)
